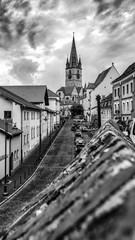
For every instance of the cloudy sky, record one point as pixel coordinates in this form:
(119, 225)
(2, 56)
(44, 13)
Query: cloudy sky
(36, 37)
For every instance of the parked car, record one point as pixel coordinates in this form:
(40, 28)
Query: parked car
(73, 128)
(79, 140)
(78, 134)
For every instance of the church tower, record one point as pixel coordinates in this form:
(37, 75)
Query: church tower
(73, 68)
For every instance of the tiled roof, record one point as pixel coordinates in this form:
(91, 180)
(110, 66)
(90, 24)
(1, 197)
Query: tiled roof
(52, 94)
(62, 89)
(68, 90)
(10, 130)
(32, 93)
(93, 198)
(107, 98)
(91, 86)
(128, 71)
(78, 89)
(101, 77)
(16, 98)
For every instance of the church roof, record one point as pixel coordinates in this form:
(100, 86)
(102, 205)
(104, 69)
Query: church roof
(61, 89)
(32, 93)
(68, 90)
(78, 89)
(127, 72)
(73, 55)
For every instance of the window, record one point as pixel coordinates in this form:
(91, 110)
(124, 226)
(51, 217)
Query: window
(7, 114)
(32, 133)
(31, 115)
(131, 86)
(118, 92)
(27, 138)
(123, 106)
(114, 107)
(127, 106)
(115, 93)
(131, 105)
(24, 115)
(27, 115)
(123, 90)
(118, 106)
(24, 139)
(127, 88)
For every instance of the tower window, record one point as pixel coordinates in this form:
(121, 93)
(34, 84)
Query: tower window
(78, 75)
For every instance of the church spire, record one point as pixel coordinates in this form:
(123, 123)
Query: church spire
(73, 55)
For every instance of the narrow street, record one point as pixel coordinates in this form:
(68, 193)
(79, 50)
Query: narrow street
(57, 158)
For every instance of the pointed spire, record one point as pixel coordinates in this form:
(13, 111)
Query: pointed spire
(67, 63)
(80, 62)
(73, 54)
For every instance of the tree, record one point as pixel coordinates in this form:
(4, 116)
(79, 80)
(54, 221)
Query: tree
(76, 109)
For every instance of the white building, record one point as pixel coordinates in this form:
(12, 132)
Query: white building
(40, 96)
(54, 105)
(23, 128)
(102, 87)
(124, 94)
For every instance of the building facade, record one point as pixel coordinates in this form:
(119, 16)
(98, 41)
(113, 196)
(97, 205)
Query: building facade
(102, 86)
(20, 125)
(124, 94)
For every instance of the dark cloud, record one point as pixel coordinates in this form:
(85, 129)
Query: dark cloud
(24, 70)
(117, 3)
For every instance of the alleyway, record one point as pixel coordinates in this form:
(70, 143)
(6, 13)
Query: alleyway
(57, 158)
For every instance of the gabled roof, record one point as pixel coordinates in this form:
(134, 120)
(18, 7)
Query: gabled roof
(107, 98)
(52, 94)
(101, 77)
(91, 86)
(9, 129)
(93, 198)
(78, 89)
(68, 90)
(16, 98)
(127, 72)
(61, 89)
(32, 93)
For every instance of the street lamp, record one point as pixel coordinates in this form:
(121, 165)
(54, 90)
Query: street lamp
(5, 193)
(98, 98)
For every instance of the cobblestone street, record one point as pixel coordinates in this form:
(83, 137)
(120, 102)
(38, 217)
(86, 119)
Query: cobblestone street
(58, 157)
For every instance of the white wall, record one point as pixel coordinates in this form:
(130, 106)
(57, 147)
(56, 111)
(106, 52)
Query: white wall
(105, 87)
(5, 105)
(16, 150)
(2, 155)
